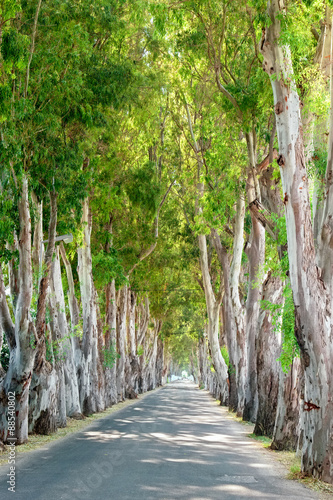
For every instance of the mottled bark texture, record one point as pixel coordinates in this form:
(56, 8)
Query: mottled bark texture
(268, 367)
(312, 298)
(213, 306)
(286, 429)
(24, 341)
(90, 370)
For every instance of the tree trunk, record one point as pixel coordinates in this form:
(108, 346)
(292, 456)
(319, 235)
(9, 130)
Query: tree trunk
(255, 250)
(213, 306)
(238, 308)
(18, 377)
(268, 367)
(42, 397)
(132, 361)
(111, 343)
(229, 322)
(312, 300)
(121, 341)
(159, 362)
(90, 372)
(287, 423)
(65, 341)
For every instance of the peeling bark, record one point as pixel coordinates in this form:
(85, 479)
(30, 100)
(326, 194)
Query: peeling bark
(268, 367)
(287, 423)
(66, 341)
(314, 327)
(111, 340)
(90, 371)
(255, 250)
(121, 341)
(18, 376)
(213, 306)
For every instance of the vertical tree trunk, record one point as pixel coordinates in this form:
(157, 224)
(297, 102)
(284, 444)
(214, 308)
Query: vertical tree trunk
(312, 300)
(213, 306)
(238, 308)
(268, 367)
(121, 341)
(42, 397)
(90, 372)
(18, 376)
(229, 322)
(255, 250)
(132, 363)
(287, 423)
(159, 362)
(111, 343)
(74, 309)
(65, 341)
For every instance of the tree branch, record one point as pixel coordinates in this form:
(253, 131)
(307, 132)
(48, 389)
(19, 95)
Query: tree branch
(32, 47)
(145, 253)
(6, 320)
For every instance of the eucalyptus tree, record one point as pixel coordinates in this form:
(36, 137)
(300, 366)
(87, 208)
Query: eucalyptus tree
(222, 37)
(49, 100)
(311, 286)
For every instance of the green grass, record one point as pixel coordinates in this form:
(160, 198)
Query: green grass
(292, 462)
(264, 440)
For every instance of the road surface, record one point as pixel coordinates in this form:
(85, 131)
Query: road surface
(175, 443)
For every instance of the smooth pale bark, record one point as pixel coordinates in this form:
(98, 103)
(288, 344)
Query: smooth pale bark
(233, 311)
(159, 362)
(22, 356)
(7, 324)
(65, 341)
(325, 226)
(38, 233)
(287, 423)
(121, 340)
(150, 357)
(43, 287)
(13, 274)
(255, 251)
(213, 305)
(230, 328)
(237, 306)
(90, 370)
(207, 377)
(143, 322)
(144, 317)
(43, 388)
(312, 300)
(57, 360)
(72, 300)
(132, 368)
(268, 366)
(111, 396)
(316, 128)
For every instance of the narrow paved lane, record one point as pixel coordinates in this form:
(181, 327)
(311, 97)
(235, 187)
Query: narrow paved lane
(173, 444)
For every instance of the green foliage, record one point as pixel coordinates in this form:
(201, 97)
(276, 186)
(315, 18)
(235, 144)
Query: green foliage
(140, 350)
(4, 354)
(144, 188)
(110, 356)
(57, 350)
(225, 355)
(107, 267)
(283, 321)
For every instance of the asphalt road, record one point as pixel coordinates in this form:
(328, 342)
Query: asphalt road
(175, 443)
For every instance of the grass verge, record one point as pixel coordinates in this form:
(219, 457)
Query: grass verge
(292, 463)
